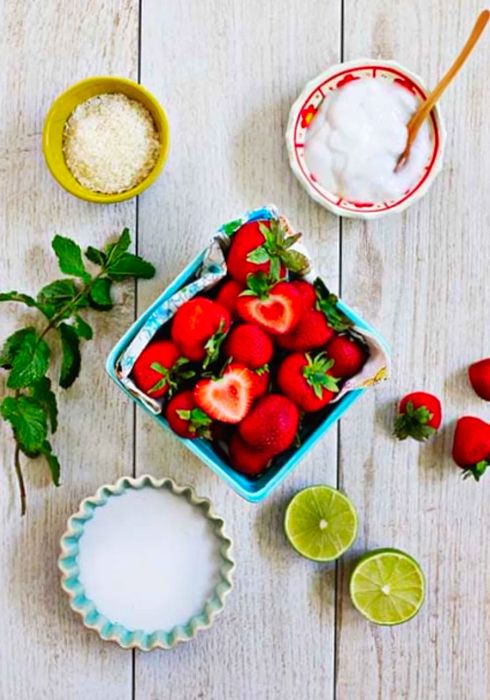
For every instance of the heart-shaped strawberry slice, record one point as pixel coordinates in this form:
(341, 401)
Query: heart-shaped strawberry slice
(227, 398)
(275, 307)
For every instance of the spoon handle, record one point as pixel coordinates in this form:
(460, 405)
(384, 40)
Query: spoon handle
(421, 114)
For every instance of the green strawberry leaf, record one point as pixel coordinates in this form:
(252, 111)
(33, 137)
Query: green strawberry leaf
(12, 344)
(42, 393)
(258, 285)
(129, 265)
(277, 245)
(213, 345)
(53, 462)
(31, 361)
(414, 423)
(71, 358)
(316, 374)
(28, 420)
(69, 256)
(327, 303)
(199, 422)
(100, 294)
(98, 257)
(258, 256)
(82, 328)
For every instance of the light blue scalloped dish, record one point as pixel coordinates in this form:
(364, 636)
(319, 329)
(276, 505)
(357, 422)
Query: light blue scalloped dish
(111, 630)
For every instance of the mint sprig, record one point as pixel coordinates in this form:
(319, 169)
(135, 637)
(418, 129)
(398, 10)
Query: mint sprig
(32, 408)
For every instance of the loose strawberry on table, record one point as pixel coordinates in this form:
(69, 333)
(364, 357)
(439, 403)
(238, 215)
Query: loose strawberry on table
(419, 416)
(249, 344)
(227, 398)
(308, 380)
(264, 246)
(159, 368)
(245, 459)
(479, 375)
(274, 306)
(199, 327)
(348, 355)
(471, 446)
(186, 418)
(271, 425)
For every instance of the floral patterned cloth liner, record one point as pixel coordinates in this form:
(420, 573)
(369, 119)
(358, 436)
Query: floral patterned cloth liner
(212, 271)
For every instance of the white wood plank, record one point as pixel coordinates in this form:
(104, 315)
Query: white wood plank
(46, 46)
(422, 279)
(227, 73)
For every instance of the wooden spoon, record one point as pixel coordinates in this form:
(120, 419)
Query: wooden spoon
(421, 114)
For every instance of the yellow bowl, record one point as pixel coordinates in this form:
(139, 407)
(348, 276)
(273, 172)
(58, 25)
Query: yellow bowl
(67, 102)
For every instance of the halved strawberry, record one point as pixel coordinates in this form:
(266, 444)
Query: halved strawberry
(264, 246)
(274, 306)
(227, 398)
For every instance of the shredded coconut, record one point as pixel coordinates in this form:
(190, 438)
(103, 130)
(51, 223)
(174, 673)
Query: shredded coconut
(110, 143)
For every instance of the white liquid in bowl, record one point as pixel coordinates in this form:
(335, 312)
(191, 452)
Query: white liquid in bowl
(356, 137)
(149, 560)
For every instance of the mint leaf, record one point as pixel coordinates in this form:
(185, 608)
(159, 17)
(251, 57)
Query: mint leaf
(71, 359)
(28, 420)
(18, 296)
(58, 293)
(69, 256)
(115, 250)
(12, 344)
(30, 363)
(53, 462)
(42, 393)
(82, 328)
(96, 256)
(100, 294)
(129, 265)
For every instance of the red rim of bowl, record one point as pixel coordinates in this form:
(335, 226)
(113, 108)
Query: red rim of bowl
(305, 108)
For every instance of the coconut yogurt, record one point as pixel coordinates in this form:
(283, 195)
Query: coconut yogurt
(356, 137)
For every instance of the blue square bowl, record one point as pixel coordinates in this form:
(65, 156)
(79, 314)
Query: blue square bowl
(257, 489)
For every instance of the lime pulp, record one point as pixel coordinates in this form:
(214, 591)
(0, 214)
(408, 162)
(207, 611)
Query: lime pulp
(387, 586)
(320, 523)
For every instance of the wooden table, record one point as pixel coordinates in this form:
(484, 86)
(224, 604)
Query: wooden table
(227, 73)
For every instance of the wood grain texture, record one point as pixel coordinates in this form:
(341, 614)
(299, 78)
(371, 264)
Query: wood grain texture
(227, 72)
(45, 651)
(422, 279)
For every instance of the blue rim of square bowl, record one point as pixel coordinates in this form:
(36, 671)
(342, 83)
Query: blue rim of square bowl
(113, 631)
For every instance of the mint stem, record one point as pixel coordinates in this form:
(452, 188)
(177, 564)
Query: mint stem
(71, 304)
(20, 479)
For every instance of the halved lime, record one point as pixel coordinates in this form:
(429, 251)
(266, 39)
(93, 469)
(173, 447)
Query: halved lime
(320, 523)
(387, 586)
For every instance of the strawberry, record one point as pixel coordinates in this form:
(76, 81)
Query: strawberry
(471, 446)
(245, 459)
(199, 327)
(227, 398)
(250, 345)
(264, 246)
(261, 380)
(348, 355)
(271, 425)
(419, 416)
(159, 368)
(310, 333)
(306, 292)
(328, 304)
(479, 374)
(186, 419)
(275, 307)
(228, 294)
(308, 380)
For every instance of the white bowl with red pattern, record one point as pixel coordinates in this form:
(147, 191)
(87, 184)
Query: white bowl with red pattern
(306, 107)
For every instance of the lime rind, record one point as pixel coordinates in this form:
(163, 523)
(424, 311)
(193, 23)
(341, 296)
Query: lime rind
(320, 523)
(403, 579)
